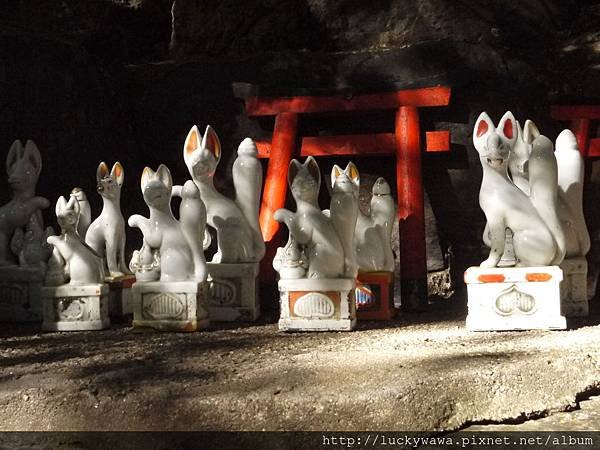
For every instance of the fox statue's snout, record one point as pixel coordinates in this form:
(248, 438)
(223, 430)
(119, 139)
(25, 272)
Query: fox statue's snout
(496, 151)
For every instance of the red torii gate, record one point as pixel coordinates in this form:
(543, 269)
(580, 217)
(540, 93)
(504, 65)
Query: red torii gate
(404, 143)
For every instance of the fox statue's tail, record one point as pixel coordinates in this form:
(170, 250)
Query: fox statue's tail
(543, 175)
(247, 180)
(570, 187)
(192, 216)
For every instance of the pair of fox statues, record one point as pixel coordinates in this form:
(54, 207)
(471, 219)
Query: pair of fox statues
(531, 196)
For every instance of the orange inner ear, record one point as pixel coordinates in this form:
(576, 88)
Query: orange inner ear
(103, 170)
(508, 129)
(353, 172)
(118, 170)
(192, 143)
(213, 144)
(482, 128)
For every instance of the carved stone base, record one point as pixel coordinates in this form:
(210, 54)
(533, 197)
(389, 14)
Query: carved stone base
(514, 298)
(233, 292)
(175, 306)
(20, 294)
(375, 296)
(573, 289)
(317, 305)
(75, 308)
(120, 297)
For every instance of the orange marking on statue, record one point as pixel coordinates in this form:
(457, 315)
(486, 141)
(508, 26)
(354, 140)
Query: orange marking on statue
(538, 276)
(491, 278)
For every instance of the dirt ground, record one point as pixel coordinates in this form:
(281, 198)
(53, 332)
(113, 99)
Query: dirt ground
(424, 371)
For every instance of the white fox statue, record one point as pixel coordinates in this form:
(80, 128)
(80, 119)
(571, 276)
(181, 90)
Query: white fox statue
(374, 231)
(538, 236)
(570, 166)
(23, 165)
(178, 242)
(236, 221)
(326, 238)
(84, 265)
(106, 234)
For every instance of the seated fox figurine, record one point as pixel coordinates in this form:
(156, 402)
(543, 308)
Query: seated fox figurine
(374, 231)
(538, 237)
(236, 221)
(310, 227)
(178, 242)
(570, 183)
(106, 234)
(23, 165)
(84, 265)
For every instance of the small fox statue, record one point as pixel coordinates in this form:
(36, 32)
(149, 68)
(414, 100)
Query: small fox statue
(374, 231)
(309, 227)
(538, 237)
(178, 242)
(106, 234)
(23, 165)
(236, 221)
(84, 265)
(344, 212)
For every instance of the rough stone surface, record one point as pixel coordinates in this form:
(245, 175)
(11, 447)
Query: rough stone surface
(422, 372)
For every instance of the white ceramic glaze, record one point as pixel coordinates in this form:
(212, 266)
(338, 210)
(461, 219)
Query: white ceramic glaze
(570, 166)
(106, 234)
(85, 211)
(344, 212)
(178, 243)
(515, 303)
(570, 194)
(309, 226)
(532, 219)
(84, 265)
(236, 221)
(23, 166)
(373, 235)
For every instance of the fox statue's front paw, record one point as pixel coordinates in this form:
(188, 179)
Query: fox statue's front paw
(489, 263)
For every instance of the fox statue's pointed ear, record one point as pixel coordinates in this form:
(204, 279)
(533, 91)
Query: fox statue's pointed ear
(73, 204)
(483, 126)
(507, 127)
(101, 171)
(530, 132)
(117, 173)
(61, 204)
(211, 142)
(313, 169)
(32, 153)
(336, 171)
(147, 175)
(352, 172)
(293, 170)
(193, 141)
(14, 154)
(164, 175)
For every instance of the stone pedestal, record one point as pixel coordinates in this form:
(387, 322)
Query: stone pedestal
(20, 294)
(573, 289)
(514, 298)
(75, 308)
(174, 306)
(317, 305)
(120, 297)
(375, 296)
(233, 292)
